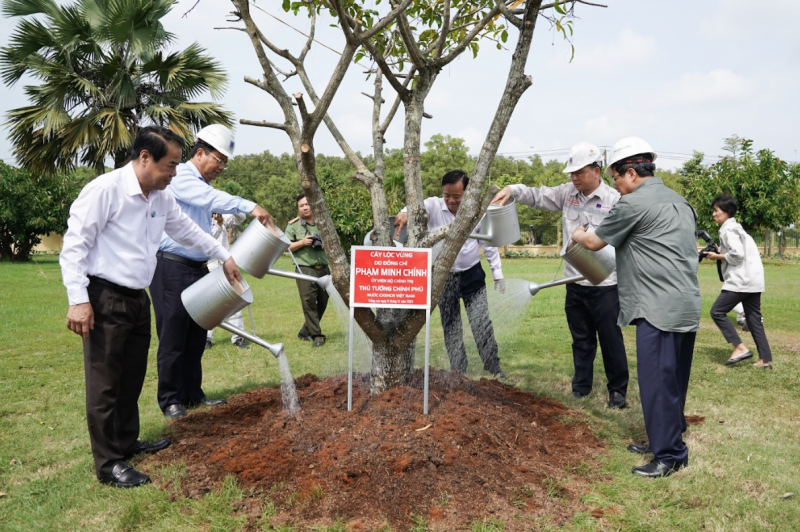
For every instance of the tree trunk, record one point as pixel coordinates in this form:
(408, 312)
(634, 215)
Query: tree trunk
(392, 361)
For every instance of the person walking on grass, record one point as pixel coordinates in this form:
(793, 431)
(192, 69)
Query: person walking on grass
(743, 273)
(107, 261)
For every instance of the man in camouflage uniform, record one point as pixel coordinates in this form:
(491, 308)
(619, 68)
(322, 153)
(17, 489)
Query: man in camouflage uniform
(307, 249)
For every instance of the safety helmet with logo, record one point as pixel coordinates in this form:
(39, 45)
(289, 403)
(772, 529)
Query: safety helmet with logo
(218, 137)
(583, 154)
(627, 148)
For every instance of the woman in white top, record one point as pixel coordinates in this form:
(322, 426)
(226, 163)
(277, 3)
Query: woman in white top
(744, 282)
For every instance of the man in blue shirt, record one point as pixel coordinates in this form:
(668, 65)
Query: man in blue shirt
(181, 341)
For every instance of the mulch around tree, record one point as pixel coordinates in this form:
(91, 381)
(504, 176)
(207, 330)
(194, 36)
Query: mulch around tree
(486, 452)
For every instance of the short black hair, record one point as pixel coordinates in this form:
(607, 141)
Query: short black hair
(726, 203)
(154, 139)
(301, 196)
(644, 168)
(201, 145)
(454, 176)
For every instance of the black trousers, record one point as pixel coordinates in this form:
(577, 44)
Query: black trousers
(115, 363)
(470, 286)
(181, 341)
(314, 299)
(591, 314)
(752, 314)
(664, 362)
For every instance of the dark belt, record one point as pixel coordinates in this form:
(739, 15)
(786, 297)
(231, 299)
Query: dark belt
(125, 291)
(183, 260)
(316, 267)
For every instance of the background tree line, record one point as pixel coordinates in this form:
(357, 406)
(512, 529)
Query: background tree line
(768, 189)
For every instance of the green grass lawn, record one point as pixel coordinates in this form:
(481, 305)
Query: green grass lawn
(744, 457)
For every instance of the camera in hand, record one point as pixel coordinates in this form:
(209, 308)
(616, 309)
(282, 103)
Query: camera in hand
(710, 248)
(316, 242)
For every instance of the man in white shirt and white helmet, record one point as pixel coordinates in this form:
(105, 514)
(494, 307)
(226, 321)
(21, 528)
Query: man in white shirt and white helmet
(591, 310)
(181, 341)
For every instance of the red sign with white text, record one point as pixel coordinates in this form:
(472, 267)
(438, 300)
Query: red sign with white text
(390, 277)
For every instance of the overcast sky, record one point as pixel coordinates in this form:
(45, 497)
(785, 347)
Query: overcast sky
(682, 75)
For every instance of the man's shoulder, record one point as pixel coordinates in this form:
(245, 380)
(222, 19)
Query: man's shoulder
(294, 220)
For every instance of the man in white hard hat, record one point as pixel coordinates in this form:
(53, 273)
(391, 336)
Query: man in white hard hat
(181, 341)
(591, 310)
(653, 230)
(107, 261)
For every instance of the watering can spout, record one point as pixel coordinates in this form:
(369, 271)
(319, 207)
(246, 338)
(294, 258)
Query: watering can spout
(323, 281)
(275, 349)
(534, 288)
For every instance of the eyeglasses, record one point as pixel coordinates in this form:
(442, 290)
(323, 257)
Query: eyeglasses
(220, 162)
(579, 174)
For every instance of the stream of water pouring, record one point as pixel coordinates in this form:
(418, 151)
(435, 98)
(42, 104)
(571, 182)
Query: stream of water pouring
(291, 405)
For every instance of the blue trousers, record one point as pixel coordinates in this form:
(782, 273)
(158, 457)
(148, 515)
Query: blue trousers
(664, 362)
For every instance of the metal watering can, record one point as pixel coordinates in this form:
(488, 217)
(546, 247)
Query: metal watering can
(212, 299)
(257, 249)
(594, 266)
(500, 224)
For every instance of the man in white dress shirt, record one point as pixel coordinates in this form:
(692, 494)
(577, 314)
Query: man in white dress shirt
(466, 281)
(591, 310)
(107, 261)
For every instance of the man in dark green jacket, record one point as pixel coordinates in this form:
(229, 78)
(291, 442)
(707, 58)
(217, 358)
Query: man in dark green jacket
(307, 249)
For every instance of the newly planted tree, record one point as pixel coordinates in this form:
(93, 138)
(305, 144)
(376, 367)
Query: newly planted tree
(408, 44)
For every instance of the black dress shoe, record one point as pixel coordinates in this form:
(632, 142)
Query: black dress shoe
(303, 336)
(212, 402)
(635, 448)
(319, 341)
(143, 447)
(175, 412)
(124, 476)
(616, 400)
(579, 395)
(656, 469)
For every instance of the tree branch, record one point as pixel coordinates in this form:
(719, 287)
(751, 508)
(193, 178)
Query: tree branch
(444, 30)
(468, 39)
(311, 33)
(273, 125)
(516, 21)
(386, 69)
(411, 44)
(396, 104)
(385, 21)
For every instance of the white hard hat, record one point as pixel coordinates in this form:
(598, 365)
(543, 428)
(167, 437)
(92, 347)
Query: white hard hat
(628, 147)
(218, 137)
(583, 154)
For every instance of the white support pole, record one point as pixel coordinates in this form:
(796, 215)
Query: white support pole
(350, 365)
(427, 356)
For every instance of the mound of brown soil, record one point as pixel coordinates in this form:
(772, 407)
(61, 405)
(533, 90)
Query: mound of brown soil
(486, 451)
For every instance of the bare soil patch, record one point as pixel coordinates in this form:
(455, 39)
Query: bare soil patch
(487, 451)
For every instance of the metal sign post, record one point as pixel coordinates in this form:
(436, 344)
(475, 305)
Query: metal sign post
(384, 277)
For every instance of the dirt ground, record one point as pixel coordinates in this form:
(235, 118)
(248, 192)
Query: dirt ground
(487, 451)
